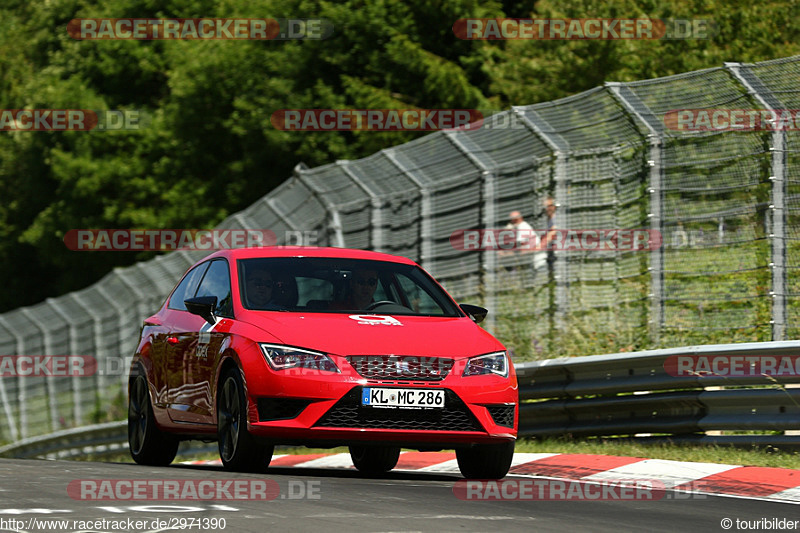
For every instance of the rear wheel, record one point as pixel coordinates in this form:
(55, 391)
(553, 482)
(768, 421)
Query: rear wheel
(238, 449)
(486, 461)
(148, 444)
(374, 459)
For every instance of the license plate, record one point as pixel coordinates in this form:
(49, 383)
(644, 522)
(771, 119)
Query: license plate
(402, 398)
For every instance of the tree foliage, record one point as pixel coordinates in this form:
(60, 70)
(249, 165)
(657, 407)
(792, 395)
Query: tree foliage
(209, 149)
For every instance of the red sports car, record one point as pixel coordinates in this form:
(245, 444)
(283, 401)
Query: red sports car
(321, 347)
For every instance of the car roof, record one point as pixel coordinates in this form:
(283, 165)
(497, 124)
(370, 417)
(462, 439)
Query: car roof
(306, 251)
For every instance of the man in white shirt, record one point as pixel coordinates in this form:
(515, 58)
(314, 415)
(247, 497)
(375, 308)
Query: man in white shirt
(523, 232)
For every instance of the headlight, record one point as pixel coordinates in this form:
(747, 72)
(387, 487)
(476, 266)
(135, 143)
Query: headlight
(491, 363)
(285, 357)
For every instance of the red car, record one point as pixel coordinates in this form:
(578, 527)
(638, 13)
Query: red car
(321, 347)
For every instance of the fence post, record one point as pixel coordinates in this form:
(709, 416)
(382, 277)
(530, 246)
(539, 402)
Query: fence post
(560, 148)
(12, 425)
(336, 221)
(426, 258)
(489, 262)
(99, 381)
(489, 256)
(634, 105)
(247, 223)
(49, 349)
(77, 408)
(21, 399)
(777, 228)
(376, 222)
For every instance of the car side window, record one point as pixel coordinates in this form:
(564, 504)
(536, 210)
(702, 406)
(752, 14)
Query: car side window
(217, 282)
(380, 292)
(187, 287)
(420, 300)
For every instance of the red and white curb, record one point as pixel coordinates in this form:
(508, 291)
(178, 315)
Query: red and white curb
(776, 484)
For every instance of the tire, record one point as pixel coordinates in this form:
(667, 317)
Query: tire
(374, 459)
(486, 461)
(148, 444)
(238, 449)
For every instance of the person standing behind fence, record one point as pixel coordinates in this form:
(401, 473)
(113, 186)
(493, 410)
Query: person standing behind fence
(550, 229)
(522, 231)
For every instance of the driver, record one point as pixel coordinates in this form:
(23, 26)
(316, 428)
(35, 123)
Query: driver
(260, 290)
(361, 289)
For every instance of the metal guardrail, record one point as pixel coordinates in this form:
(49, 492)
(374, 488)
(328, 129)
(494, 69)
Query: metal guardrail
(100, 440)
(625, 395)
(629, 394)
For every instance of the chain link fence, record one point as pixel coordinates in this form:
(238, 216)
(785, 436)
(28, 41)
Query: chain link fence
(726, 203)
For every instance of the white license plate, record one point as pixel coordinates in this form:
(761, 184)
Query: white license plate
(407, 398)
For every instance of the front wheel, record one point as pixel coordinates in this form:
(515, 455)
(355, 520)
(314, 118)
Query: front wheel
(238, 449)
(374, 459)
(486, 461)
(148, 444)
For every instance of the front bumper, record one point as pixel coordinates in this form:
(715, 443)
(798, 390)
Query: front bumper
(300, 406)
(491, 417)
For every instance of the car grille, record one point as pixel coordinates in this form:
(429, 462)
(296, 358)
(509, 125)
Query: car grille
(348, 413)
(407, 367)
(503, 415)
(280, 408)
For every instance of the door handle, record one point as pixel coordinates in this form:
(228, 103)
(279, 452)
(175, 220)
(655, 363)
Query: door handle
(173, 340)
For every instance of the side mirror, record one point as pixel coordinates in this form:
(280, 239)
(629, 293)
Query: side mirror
(202, 306)
(475, 312)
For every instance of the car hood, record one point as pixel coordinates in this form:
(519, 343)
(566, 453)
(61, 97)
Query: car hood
(344, 334)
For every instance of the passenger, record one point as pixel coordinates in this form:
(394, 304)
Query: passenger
(360, 290)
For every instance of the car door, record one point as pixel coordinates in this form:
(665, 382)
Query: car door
(171, 337)
(197, 351)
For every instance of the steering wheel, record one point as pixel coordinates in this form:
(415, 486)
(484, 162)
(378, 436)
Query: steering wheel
(375, 305)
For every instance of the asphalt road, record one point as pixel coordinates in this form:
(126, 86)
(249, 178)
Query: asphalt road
(340, 501)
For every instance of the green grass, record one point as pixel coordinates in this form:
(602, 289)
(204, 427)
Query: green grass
(712, 294)
(126, 458)
(770, 457)
(714, 308)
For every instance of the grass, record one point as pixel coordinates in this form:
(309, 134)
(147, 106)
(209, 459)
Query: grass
(526, 323)
(210, 456)
(767, 457)
(107, 404)
(712, 294)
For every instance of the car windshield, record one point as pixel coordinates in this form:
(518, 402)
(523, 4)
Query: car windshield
(334, 285)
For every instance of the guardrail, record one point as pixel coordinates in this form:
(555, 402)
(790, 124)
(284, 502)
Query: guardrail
(629, 394)
(99, 440)
(625, 395)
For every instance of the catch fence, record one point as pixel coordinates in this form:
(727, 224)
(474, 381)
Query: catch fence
(726, 203)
